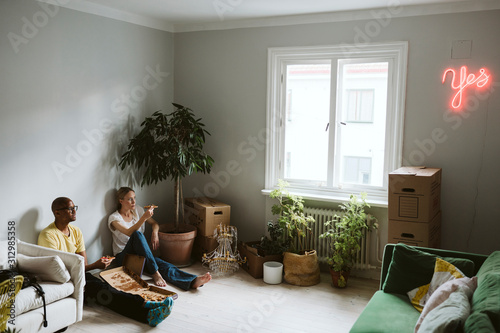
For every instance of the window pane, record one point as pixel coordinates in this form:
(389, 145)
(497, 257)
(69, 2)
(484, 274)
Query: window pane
(357, 170)
(362, 111)
(307, 117)
(360, 105)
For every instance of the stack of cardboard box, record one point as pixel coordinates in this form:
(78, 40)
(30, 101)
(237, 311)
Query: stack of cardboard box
(415, 206)
(206, 214)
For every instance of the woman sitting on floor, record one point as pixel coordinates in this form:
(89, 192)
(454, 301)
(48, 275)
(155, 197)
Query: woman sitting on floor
(127, 225)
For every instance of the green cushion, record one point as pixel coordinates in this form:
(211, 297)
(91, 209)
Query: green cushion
(387, 313)
(411, 268)
(491, 265)
(478, 322)
(486, 300)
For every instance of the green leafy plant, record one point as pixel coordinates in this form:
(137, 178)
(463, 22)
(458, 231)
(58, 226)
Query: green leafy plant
(346, 232)
(293, 222)
(274, 244)
(169, 146)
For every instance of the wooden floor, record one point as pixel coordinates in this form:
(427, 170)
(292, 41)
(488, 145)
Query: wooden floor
(240, 303)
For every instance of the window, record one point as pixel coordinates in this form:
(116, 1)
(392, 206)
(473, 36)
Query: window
(335, 119)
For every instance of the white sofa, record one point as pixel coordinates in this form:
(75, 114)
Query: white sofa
(64, 300)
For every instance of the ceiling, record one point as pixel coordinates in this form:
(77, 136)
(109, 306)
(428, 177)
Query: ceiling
(192, 15)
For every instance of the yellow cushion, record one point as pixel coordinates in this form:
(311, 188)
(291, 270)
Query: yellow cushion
(443, 272)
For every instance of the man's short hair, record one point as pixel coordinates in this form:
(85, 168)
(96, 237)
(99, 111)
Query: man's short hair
(59, 203)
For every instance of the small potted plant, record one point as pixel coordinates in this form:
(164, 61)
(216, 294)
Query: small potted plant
(300, 262)
(273, 244)
(171, 147)
(269, 248)
(344, 235)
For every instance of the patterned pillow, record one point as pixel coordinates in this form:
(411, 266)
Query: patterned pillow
(443, 272)
(448, 307)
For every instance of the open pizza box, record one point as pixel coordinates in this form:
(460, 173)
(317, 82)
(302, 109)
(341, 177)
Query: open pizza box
(127, 278)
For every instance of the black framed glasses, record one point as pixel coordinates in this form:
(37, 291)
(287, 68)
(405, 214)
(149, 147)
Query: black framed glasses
(71, 209)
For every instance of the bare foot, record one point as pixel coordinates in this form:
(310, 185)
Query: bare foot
(159, 280)
(201, 280)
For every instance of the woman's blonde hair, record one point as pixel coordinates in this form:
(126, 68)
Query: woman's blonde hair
(121, 193)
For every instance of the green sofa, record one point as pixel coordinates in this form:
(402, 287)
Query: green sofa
(390, 310)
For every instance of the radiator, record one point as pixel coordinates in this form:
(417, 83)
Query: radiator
(321, 245)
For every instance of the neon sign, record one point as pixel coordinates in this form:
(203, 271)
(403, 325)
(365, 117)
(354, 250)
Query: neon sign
(465, 80)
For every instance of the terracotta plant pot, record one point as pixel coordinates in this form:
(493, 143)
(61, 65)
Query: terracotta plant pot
(339, 279)
(301, 269)
(176, 248)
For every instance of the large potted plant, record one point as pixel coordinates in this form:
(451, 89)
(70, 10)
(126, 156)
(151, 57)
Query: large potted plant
(300, 262)
(170, 146)
(344, 236)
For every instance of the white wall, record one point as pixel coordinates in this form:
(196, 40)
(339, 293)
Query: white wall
(73, 87)
(222, 75)
(72, 74)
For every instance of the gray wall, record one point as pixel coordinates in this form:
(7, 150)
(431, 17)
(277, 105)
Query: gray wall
(74, 92)
(222, 75)
(73, 88)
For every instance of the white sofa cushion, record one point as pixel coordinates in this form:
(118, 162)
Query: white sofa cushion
(59, 315)
(50, 268)
(3, 254)
(28, 298)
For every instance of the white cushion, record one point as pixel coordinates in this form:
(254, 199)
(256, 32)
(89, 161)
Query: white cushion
(31, 321)
(449, 316)
(464, 286)
(4, 259)
(45, 268)
(28, 298)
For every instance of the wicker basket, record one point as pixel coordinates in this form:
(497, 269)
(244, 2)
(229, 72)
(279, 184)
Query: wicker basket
(8, 291)
(301, 269)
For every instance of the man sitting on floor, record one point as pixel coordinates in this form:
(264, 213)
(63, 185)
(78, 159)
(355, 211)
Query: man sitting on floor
(61, 235)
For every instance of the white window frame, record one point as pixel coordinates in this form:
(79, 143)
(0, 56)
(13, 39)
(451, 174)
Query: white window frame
(397, 53)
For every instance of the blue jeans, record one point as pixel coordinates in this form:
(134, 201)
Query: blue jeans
(137, 244)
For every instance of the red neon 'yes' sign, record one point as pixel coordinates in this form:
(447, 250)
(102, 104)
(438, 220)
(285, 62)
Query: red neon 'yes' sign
(463, 82)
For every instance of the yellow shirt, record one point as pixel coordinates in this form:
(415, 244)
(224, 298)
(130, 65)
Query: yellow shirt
(54, 238)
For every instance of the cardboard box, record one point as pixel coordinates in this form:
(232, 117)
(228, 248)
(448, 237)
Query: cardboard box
(123, 278)
(254, 263)
(414, 194)
(135, 263)
(204, 244)
(416, 233)
(206, 214)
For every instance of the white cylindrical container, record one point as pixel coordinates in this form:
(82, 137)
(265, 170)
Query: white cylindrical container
(273, 272)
